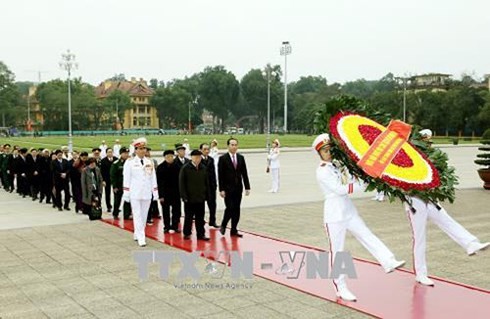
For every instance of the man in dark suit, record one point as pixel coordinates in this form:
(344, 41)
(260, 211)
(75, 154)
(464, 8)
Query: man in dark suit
(105, 169)
(60, 169)
(34, 169)
(193, 188)
(232, 175)
(168, 191)
(45, 178)
(22, 171)
(180, 159)
(208, 161)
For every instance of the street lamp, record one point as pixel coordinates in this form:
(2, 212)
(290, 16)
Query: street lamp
(190, 103)
(68, 63)
(285, 50)
(269, 75)
(28, 108)
(403, 80)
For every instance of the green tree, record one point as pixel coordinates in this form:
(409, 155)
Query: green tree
(464, 105)
(9, 95)
(175, 100)
(117, 102)
(86, 112)
(218, 92)
(253, 87)
(360, 88)
(484, 114)
(309, 95)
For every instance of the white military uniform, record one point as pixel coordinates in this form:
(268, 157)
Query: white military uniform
(274, 166)
(139, 184)
(117, 149)
(214, 153)
(418, 221)
(103, 150)
(340, 215)
(187, 152)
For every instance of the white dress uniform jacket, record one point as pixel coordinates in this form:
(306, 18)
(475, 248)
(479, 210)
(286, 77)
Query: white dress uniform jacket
(340, 215)
(116, 149)
(139, 180)
(338, 206)
(273, 158)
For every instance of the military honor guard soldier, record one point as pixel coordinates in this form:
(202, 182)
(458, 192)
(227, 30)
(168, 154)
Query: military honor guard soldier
(139, 185)
(419, 212)
(340, 215)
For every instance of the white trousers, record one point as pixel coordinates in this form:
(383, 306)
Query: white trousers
(446, 223)
(336, 233)
(139, 208)
(275, 179)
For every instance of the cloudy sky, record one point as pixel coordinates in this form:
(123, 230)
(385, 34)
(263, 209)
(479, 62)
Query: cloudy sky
(341, 40)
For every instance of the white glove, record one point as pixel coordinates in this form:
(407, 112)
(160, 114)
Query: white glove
(155, 196)
(125, 196)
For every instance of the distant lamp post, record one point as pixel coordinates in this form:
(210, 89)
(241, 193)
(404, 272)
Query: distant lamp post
(193, 102)
(68, 64)
(269, 75)
(403, 81)
(28, 111)
(285, 50)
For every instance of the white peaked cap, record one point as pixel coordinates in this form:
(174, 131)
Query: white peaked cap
(426, 132)
(140, 142)
(320, 141)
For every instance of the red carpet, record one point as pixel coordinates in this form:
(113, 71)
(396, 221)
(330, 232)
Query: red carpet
(394, 295)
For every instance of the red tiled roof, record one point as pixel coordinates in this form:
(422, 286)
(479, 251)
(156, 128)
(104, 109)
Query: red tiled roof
(136, 88)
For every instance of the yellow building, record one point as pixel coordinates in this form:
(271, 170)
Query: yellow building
(142, 114)
(34, 111)
(434, 82)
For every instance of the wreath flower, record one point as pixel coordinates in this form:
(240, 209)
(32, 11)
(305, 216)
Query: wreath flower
(409, 169)
(417, 169)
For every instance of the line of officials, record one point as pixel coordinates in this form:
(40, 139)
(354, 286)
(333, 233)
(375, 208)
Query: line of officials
(45, 176)
(178, 179)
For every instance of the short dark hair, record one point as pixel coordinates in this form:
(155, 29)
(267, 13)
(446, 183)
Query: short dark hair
(231, 139)
(83, 154)
(57, 152)
(109, 149)
(96, 149)
(91, 160)
(202, 145)
(7, 144)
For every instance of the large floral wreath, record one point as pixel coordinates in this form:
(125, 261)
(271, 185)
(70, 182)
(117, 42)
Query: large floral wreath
(416, 169)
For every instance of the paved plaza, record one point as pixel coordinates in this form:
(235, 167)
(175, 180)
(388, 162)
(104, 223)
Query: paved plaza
(60, 265)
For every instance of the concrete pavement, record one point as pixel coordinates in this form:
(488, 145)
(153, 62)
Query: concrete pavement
(60, 265)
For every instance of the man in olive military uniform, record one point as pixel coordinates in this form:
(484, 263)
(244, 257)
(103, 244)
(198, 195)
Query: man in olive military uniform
(116, 178)
(4, 168)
